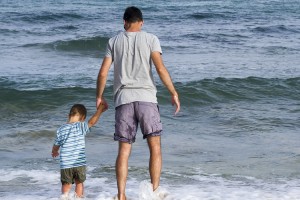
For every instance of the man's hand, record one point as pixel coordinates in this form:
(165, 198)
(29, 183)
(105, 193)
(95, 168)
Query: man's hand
(176, 102)
(103, 102)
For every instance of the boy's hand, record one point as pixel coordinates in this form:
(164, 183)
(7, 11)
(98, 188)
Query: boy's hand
(55, 151)
(54, 154)
(101, 101)
(103, 107)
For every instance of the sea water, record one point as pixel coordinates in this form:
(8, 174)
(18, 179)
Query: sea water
(235, 65)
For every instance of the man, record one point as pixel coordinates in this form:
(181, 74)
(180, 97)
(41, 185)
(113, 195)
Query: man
(133, 52)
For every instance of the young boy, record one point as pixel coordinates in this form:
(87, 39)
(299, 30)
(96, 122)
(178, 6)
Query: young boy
(70, 139)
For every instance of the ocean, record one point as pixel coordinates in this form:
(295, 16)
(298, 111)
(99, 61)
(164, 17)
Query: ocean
(234, 63)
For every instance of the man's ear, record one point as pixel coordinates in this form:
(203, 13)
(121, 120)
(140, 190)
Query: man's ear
(126, 25)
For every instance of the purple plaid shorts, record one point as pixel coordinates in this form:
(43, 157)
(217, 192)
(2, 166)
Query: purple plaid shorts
(128, 116)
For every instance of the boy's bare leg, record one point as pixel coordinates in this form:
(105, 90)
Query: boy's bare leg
(155, 161)
(65, 188)
(122, 168)
(79, 189)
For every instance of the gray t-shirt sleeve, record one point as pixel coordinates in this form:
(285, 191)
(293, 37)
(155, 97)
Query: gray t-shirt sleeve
(156, 45)
(109, 52)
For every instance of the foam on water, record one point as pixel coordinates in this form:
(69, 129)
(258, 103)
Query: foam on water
(235, 65)
(36, 176)
(45, 184)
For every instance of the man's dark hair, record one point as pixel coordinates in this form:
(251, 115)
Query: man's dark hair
(133, 14)
(78, 109)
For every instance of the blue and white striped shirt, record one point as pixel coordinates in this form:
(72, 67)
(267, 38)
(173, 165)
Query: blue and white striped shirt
(71, 139)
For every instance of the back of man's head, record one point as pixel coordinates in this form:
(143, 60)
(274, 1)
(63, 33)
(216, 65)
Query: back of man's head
(133, 14)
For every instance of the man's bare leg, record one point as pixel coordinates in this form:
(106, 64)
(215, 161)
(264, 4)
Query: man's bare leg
(122, 168)
(155, 161)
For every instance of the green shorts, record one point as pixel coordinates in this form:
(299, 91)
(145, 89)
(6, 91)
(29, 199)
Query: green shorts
(70, 175)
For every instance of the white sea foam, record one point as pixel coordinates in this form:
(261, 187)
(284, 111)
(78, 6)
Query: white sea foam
(36, 176)
(146, 192)
(47, 186)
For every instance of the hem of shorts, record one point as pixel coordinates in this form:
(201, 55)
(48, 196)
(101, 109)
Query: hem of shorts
(157, 133)
(116, 138)
(67, 183)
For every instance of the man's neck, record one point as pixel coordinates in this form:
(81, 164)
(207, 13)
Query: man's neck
(135, 27)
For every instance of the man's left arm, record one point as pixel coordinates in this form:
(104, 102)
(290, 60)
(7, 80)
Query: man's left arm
(165, 78)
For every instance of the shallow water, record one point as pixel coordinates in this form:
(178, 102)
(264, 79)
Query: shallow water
(235, 65)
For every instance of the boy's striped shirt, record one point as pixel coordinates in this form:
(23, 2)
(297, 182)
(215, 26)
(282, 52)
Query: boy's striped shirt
(71, 139)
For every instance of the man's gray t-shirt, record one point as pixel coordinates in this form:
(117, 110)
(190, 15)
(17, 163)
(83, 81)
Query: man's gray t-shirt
(133, 78)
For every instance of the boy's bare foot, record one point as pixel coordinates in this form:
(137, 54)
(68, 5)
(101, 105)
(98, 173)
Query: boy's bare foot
(64, 196)
(120, 197)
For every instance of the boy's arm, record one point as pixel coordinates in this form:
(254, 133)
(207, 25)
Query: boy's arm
(94, 119)
(55, 151)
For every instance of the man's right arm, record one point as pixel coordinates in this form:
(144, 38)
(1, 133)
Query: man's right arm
(101, 81)
(165, 78)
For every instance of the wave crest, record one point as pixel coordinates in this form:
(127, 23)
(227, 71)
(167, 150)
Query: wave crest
(97, 43)
(195, 93)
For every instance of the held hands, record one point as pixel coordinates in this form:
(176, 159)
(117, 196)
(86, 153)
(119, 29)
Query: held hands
(102, 107)
(101, 104)
(176, 102)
